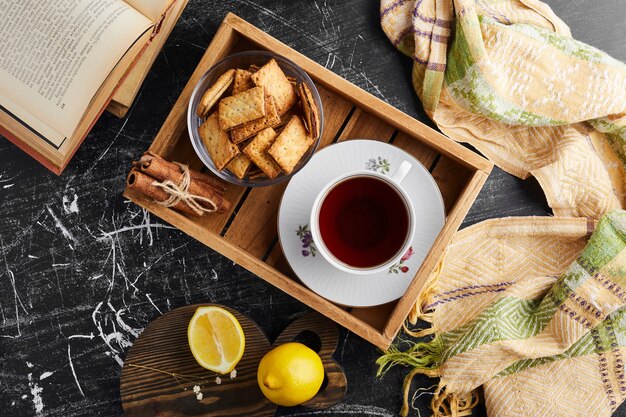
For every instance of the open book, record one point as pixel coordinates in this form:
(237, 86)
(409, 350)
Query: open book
(61, 62)
(128, 89)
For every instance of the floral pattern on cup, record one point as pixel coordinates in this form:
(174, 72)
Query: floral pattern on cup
(378, 165)
(399, 266)
(308, 246)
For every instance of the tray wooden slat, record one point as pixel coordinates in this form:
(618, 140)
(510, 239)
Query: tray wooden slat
(248, 233)
(451, 179)
(421, 152)
(365, 126)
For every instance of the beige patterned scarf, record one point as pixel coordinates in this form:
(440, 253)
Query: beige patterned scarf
(517, 305)
(506, 77)
(522, 307)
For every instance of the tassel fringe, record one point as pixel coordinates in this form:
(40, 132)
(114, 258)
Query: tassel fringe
(425, 298)
(425, 358)
(446, 404)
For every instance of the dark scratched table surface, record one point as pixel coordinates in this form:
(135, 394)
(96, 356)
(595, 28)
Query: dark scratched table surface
(82, 271)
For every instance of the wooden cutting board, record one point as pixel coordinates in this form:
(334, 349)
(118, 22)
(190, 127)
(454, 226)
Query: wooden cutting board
(160, 373)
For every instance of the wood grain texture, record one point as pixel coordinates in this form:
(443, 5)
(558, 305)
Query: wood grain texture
(146, 390)
(160, 373)
(75, 257)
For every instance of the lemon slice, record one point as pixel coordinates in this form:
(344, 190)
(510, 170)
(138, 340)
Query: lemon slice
(216, 339)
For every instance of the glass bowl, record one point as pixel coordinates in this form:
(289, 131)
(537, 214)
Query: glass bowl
(244, 60)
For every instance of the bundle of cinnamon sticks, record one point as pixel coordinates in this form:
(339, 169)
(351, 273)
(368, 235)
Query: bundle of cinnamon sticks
(177, 186)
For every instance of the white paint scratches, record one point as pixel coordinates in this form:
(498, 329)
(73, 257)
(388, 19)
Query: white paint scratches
(120, 322)
(115, 340)
(70, 206)
(147, 223)
(46, 375)
(16, 299)
(29, 364)
(82, 336)
(330, 64)
(110, 235)
(328, 42)
(60, 226)
(218, 380)
(33, 257)
(69, 357)
(355, 409)
(35, 391)
(147, 267)
(154, 305)
(113, 322)
(24, 396)
(214, 277)
(8, 186)
(2, 179)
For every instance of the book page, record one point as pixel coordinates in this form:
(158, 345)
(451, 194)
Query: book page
(55, 55)
(152, 9)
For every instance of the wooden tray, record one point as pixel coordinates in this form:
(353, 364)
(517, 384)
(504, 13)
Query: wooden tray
(248, 233)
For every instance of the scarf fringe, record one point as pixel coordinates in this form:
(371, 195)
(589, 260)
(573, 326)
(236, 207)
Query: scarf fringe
(425, 298)
(447, 404)
(425, 358)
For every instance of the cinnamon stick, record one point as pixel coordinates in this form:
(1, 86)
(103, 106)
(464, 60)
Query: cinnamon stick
(142, 183)
(162, 170)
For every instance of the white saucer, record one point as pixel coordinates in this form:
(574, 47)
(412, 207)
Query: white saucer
(295, 210)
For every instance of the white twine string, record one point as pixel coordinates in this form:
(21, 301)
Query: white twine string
(180, 192)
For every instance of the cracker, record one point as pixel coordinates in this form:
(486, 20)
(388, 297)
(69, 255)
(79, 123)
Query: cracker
(241, 108)
(213, 94)
(239, 165)
(290, 145)
(247, 130)
(285, 118)
(256, 151)
(309, 109)
(273, 79)
(242, 81)
(216, 141)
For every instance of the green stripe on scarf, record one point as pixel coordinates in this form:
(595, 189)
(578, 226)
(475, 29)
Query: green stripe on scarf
(467, 85)
(512, 318)
(601, 339)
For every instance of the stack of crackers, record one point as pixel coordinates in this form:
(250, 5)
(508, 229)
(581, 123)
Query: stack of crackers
(252, 125)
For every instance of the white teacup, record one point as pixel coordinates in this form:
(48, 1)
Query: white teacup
(404, 208)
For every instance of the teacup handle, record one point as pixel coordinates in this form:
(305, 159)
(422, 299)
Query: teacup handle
(401, 172)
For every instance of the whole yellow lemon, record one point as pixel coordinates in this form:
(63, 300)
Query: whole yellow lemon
(290, 374)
